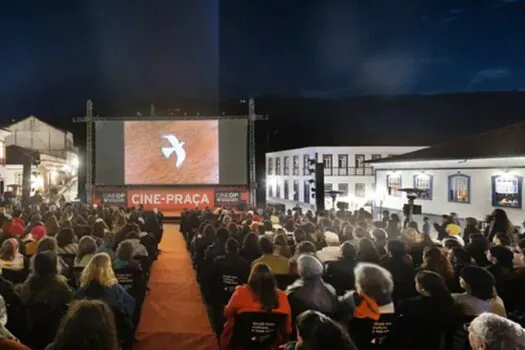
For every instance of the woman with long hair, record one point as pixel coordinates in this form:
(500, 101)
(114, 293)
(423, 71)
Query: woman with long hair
(434, 260)
(52, 225)
(259, 295)
(499, 223)
(98, 281)
(88, 325)
(432, 312)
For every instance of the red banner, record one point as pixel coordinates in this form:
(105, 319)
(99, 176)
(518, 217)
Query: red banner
(171, 199)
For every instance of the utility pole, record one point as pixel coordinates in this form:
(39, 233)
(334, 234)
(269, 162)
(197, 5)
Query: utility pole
(252, 117)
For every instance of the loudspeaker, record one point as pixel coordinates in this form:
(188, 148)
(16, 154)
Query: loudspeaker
(319, 186)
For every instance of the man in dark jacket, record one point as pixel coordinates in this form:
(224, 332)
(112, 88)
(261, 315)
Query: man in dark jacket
(309, 292)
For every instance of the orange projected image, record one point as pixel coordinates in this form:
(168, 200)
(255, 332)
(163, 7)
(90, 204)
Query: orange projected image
(171, 152)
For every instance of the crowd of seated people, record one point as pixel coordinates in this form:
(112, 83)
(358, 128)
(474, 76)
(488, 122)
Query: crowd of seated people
(340, 280)
(74, 277)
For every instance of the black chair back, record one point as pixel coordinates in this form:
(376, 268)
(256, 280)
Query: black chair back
(227, 285)
(77, 271)
(82, 230)
(43, 321)
(69, 259)
(134, 282)
(257, 330)
(14, 276)
(456, 338)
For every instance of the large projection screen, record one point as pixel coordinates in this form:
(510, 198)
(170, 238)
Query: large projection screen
(171, 152)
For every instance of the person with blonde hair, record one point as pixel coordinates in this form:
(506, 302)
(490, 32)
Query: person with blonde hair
(98, 281)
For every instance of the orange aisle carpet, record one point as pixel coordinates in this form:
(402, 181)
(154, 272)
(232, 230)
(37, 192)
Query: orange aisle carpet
(173, 315)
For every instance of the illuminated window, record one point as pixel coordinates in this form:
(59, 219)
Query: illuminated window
(459, 188)
(424, 182)
(506, 191)
(393, 184)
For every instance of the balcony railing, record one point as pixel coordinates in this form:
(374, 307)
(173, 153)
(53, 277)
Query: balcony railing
(348, 171)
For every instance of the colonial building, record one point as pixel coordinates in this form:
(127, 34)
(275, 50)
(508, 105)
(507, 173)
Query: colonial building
(288, 174)
(57, 171)
(471, 176)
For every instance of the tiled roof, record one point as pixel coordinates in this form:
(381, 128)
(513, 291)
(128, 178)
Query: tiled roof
(508, 141)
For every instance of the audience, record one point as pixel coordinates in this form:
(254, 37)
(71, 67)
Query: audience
(98, 281)
(10, 257)
(87, 248)
(316, 331)
(277, 263)
(259, 295)
(45, 285)
(492, 332)
(340, 273)
(309, 291)
(480, 292)
(88, 325)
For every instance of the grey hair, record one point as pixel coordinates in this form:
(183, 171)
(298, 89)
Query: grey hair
(497, 333)
(374, 281)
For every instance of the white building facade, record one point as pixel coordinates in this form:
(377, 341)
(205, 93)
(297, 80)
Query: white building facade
(288, 177)
(58, 168)
(468, 187)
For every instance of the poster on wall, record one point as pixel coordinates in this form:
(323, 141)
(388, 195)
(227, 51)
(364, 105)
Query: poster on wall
(507, 191)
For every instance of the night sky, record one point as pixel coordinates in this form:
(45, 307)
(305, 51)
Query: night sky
(55, 55)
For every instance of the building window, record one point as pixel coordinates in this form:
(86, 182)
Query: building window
(327, 161)
(328, 187)
(424, 182)
(360, 190)
(360, 164)
(393, 184)
(286, 166)
(343, 188)
(459, 188)
(19, 179)
(296, 165)
(286, 189)
(278, 190)
(277, 166)
(270, 191)
(306, 192)
(270, 166)
(342, 164)
(306, 164)
(506, 191)
(296, 190)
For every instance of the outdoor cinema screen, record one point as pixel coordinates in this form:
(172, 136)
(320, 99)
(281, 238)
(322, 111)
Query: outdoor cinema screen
(171, 152)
